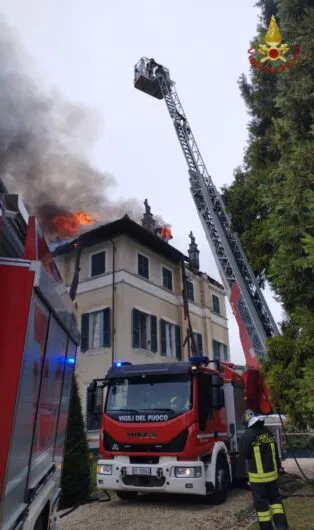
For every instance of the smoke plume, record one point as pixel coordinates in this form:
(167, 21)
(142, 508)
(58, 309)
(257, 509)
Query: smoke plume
(44, 145)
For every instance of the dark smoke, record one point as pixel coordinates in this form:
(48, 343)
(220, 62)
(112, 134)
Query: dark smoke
(44, 143)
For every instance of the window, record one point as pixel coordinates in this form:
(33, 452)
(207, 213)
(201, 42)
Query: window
(94, 418)
(167, 278)
(142, 266)
(95, 330)
(216, 304)
(199, 343)
(144, 331)
(170, 335)
(220, 350)
(190, 290)
(98, 263)
(152, 393)
(117, 396)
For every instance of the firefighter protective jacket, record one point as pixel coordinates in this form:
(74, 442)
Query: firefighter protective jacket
(258, 447)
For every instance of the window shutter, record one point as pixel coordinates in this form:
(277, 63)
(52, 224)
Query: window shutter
(153, 334)
(216, 349)
(199, 344)
(135, 328)
(163, 337)
(225, 352)
(178, 343)
(216, 304)
(98, 263)
(190, 290)
(84, 332)
(106, 338)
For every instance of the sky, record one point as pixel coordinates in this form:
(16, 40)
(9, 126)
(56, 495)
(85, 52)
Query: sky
(88, 49)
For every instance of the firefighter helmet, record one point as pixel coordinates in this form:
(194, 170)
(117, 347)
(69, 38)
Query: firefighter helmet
(247, 416)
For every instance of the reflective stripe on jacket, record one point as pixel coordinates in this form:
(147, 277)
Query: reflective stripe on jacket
(259, 448)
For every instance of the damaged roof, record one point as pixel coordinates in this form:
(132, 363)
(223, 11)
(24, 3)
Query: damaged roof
(126, 226)
(123, 226)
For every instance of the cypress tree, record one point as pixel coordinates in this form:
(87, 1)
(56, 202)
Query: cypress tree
(271, 202)
(75, 482)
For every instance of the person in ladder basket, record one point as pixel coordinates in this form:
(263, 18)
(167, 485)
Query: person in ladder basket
(259, 448)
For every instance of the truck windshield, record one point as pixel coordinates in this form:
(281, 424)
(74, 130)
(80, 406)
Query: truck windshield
(143, 394)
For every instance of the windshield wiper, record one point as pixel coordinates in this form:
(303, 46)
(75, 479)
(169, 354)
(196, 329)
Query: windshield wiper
(164, 409)
(123, 410)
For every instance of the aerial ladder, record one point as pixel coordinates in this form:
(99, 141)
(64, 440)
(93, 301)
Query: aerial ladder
(251, 311)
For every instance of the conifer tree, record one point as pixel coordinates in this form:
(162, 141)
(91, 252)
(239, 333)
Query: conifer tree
(271, 202)
(76, 475)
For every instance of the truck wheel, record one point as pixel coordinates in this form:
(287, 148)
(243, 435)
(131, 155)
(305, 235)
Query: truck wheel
(222, 481)
(127, 495)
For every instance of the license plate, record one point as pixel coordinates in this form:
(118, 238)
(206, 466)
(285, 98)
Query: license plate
(141, 471)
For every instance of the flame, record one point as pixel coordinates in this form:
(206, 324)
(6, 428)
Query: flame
(68, 226)
(166, 232)
(273, 35)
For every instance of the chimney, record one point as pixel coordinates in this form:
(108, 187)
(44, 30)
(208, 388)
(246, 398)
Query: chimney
(148, 221)
(193, 252)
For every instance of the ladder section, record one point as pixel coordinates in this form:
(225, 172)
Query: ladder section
(229, 255)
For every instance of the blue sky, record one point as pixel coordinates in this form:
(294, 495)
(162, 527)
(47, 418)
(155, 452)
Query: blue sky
(88, 49)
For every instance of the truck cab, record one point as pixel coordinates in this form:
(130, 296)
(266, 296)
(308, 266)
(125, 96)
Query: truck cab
(166, 428)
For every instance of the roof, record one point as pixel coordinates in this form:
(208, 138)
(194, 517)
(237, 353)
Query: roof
(212, 281)
(136, 370)
(123, 226)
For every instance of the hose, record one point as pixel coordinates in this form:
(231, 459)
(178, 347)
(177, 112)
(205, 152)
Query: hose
(305, 478)
(303, 495)
(88, 501)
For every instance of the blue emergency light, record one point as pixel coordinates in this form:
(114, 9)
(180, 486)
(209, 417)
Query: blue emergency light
(71, 360)
(122, 363)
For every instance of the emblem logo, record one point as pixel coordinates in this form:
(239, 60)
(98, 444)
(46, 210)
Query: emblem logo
(142, 435)
(274, 56)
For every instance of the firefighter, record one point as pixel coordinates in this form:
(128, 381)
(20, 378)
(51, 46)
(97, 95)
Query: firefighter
(259, 448)
(180, 403)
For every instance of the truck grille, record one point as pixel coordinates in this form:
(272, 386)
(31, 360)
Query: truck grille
(175, 446)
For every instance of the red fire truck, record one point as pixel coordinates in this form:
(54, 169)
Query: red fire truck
(175, 427)
(38, 341)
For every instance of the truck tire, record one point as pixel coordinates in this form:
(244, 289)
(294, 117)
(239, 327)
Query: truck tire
(127, 495)
(223, 481)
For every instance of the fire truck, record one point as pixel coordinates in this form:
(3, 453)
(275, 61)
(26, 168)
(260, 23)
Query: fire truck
(175, 427)
(38, 342)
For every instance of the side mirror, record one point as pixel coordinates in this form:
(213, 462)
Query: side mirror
(92, 387)
(91, 402)
(218, 398)
(204, 400)
(91, 396)
(218, 380)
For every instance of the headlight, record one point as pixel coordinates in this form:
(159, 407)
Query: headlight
(188, 472)
(104, 469)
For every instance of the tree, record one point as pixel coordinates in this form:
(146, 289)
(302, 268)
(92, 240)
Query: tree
(76, 475)
(271, 201)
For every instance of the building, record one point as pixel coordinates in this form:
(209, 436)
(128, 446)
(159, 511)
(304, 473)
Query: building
(130, 301)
